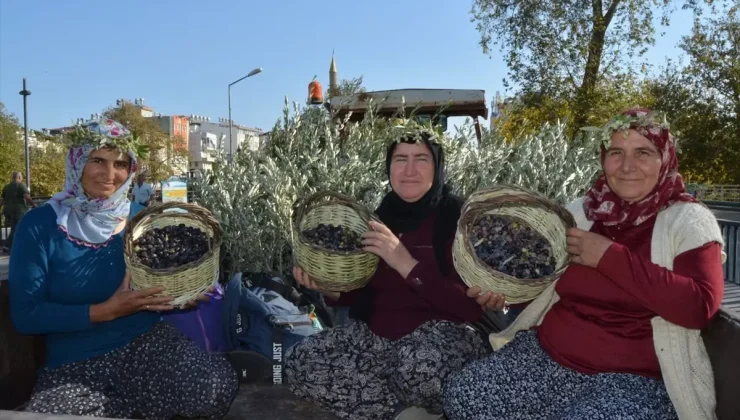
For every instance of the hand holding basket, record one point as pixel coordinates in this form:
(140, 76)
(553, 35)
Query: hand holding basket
(332, 271)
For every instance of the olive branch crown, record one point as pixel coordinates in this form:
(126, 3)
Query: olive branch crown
(623, 122)
(413, 131)
(130, 142)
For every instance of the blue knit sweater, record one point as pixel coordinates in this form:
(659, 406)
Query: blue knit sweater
(54, 281)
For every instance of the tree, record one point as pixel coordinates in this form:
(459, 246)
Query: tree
(702, 100)
(11, 146)
(562, 49)
(349, 87)
(47, 165)
(162, 151)
(612, 95)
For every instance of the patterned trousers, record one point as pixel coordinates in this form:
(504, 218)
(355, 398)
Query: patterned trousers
(522, 382)
(358, 375)
(159, 375)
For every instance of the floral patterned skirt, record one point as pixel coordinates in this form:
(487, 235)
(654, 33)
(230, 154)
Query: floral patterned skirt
(356, 374)
(159, 375)
(522, 382)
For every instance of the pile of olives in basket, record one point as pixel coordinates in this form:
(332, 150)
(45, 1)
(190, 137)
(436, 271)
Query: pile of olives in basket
(333, 238)
(511, 247)
(171, 246)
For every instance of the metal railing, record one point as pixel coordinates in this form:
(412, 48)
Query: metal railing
(731, 233)
(728, 193)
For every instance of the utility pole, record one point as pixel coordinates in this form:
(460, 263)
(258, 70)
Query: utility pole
(25, 93)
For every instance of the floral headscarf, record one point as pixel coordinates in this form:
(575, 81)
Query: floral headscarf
(603, 205)
(91, 221)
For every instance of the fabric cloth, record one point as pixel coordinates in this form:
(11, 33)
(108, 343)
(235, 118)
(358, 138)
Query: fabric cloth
(684, 363)
(142, 193)
(14, 199)
(522, 382)
(400, 305)
(358, 375)
(53, 282)
(624, 293)
(159, 375)
(89, 221)
(603, 205)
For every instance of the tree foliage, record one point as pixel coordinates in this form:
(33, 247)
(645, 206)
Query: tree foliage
(562, 50)
(163, 154)
(11, 146)
(312, 151)
(613, 95)
(703, 100)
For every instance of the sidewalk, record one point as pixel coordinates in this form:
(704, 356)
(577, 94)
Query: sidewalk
(4, 262)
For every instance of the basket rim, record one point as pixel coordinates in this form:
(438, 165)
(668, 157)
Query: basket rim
(475, 208)
(303, 206)
(157, 211)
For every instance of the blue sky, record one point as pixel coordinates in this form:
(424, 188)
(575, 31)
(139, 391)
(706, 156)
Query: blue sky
(81, 55)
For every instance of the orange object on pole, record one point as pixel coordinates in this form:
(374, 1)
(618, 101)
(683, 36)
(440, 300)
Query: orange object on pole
(315, 93)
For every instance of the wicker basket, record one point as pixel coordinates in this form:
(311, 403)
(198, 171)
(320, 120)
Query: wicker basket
(184, 282)
(526, 207)
(333, 271)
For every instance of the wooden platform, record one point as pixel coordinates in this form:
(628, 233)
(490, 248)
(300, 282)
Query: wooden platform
(275, 403)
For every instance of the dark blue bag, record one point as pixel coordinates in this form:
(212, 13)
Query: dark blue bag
(263, 320)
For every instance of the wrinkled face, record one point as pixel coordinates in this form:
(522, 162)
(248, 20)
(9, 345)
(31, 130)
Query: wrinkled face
(632, 165)
(412, 171)
(105, 171)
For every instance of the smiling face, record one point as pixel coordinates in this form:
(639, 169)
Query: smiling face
(412, 171)
(632, 165)
(105, 171)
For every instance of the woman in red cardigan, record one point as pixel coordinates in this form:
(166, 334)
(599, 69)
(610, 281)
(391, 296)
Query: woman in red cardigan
(409, 330)
(594, 356)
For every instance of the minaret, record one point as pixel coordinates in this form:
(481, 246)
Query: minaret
(333, 83)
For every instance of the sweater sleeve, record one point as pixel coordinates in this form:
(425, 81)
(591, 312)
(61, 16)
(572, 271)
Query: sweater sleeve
(688, 296)
(445, 292)
(30, 310)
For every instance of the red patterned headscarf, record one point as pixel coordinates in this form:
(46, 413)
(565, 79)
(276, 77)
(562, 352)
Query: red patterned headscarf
(601, 204)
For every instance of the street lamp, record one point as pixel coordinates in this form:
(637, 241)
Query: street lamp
(25, 93)
(231, 123)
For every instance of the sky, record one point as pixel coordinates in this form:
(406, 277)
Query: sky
(79, 56)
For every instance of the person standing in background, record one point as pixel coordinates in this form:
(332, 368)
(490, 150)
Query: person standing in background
(142, 192)
(14, 201)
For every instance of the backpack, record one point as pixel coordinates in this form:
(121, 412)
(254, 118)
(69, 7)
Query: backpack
(263, 318)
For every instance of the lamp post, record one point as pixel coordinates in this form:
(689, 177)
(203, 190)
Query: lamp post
(231, 123)
(25, 93)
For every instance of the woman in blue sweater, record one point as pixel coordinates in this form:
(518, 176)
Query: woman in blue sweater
(107, 352)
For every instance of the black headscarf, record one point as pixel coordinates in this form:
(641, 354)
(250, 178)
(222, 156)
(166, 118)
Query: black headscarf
(401, 216)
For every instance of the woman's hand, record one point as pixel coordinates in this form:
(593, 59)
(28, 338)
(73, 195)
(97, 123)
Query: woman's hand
(126, 302)
(383, 243)
(203, 297)
(488, 301)
(305, 280)
(587, 248)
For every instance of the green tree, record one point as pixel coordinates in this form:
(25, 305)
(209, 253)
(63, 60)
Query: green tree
(47, 165)
(702, 100)
(563, 49)
(159, 165)
(11, 146)
(526, 115)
